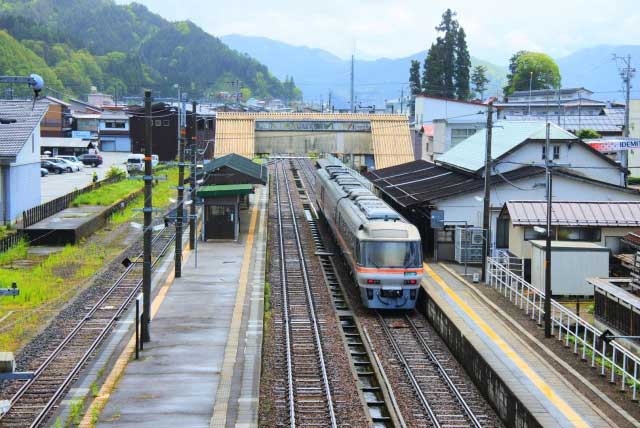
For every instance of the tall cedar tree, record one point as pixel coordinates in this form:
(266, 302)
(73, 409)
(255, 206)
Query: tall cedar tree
(479, 80)
(414, 84)
(463, 63)
(446, 68)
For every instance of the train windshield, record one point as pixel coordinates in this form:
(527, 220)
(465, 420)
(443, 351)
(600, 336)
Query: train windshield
(390, 254)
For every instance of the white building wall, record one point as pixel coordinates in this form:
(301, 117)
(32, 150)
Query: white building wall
(634, 131)
(580, 159)
(429, 109)
(467, 208)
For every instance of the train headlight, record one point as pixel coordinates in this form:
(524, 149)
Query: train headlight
(411, 281)
(373, 281)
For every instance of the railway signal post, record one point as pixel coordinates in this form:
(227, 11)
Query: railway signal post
(194, 160)
(180, 204)
(147, 210)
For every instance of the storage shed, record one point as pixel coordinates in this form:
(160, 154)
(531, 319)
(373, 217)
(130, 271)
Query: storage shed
(222, 209)
(571, 264)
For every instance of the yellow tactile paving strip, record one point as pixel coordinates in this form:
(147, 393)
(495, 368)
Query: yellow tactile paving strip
(219, 418)
(542, 386)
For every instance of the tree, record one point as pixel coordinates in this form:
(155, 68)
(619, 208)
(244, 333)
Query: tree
(415, 85)
(588, 133)
(532, 68)
(462, 65)
(446, 68)
(479, 80)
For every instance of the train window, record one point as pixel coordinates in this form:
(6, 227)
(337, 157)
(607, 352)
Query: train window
(394, 254)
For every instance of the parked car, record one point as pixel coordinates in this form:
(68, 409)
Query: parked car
(74, 160)
(90, 159)
(135, 162)
(52, 167)
(68, 165)
(44, 172)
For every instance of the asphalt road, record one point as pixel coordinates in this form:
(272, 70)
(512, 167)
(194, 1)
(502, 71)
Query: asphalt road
(55, 185)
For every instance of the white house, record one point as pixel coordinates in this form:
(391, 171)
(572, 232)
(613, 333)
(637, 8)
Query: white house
(19, 156)
(114, 131)
(441, 123)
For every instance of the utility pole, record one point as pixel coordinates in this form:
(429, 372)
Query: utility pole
(529, 101)
(486, 212)
(147, 210)
(180, 205)
(401, 100)
(329, 106)
(194, 161)
(547, 256)
(627, 73)
(558, 90)
(353, 106)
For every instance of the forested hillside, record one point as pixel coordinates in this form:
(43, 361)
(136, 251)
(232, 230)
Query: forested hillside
(76, 44)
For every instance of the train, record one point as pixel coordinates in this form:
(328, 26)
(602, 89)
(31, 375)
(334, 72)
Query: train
(382, 249)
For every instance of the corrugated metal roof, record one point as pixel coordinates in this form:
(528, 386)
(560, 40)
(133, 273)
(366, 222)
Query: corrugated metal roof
(420, 182)
(633, 238)
(391, 142)
(610, 122)
(575, 213)
(469, 154)
(234, 134)
(27, 116)
(240, 164)
(220, 190)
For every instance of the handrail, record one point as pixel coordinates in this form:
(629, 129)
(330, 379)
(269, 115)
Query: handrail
(623, 364)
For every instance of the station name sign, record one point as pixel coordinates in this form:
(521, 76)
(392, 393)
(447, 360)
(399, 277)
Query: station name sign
(614, 144)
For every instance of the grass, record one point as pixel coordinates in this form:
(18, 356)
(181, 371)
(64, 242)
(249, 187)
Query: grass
(6, 230)
(109, 194)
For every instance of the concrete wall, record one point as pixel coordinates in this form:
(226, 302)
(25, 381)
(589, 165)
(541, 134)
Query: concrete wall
(467, 207)
(319, 142)
(574, 154)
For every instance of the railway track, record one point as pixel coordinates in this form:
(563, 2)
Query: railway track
(309, 398)
(36, 398)
(434, 375)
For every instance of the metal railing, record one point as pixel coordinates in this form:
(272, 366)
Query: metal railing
(11, 240)
(612, 359)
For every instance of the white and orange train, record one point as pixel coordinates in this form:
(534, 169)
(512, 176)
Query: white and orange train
(382, 249)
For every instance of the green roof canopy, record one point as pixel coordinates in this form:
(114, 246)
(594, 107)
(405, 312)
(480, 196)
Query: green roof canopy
(220, 190)
(241, 164)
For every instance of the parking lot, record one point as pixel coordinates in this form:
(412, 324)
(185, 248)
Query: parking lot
(55, 185)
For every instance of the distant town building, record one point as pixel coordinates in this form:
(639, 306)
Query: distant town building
(114, 131)
(573, 109)
(57, 121)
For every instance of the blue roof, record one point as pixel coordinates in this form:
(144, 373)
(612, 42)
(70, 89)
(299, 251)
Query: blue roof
(470, 153)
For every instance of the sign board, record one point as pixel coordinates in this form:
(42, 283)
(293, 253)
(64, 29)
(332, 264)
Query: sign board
(437, 219)
(614, 144)
(86, 135)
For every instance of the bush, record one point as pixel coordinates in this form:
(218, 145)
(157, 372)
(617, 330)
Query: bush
(588, 133)
(114, 172)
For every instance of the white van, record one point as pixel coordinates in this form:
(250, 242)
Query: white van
(135, 162)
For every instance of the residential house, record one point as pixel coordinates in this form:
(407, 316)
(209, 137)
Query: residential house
(114, 131)
(455, 183)
(19, 156)
(441, 123)
(101, 100)
(573, 109)
(57, 121)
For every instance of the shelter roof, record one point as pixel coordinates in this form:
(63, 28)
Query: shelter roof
(575, 213)
(221, 190)
(241, 164)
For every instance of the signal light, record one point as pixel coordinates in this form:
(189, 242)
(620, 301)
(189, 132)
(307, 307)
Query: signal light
(411, 281)
(373, 281)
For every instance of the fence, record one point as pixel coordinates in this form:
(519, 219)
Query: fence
(42, 211)
(622, 364)
(11, 240)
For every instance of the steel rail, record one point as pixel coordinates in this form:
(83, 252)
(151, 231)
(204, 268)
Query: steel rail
(283, 280)
(38, 373)
(310, 305)
(407, 369)
(425, 346)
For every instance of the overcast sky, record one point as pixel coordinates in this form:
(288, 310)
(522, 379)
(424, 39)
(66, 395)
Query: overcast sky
(396, 28)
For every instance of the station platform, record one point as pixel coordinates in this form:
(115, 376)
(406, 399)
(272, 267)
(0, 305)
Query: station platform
(523, 386)
(202, 366)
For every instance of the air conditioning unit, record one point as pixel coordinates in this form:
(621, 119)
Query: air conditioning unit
(468, 245)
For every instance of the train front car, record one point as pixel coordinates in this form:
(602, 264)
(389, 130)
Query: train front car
(382, 249)
(389, 264)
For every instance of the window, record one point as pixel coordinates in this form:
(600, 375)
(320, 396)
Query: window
(458, 135)
(398, 254)
(118, 124)
(530, 234)
(578, 234)
(165, 123)
(158, 122)
(556, 152)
